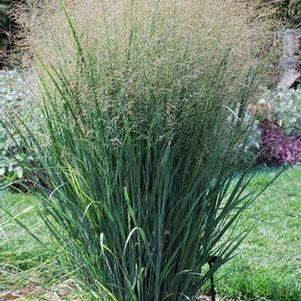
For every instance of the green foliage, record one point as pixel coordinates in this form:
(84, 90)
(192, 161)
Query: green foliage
(17, 248)
(283, 106)
(15, 158)
(287, 11)
(142, 143)
(28, 270)
(262, 270)
(5, 28)
(265, 270)
(4, 9)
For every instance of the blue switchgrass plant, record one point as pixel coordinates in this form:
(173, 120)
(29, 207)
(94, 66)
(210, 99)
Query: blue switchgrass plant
(142, 142)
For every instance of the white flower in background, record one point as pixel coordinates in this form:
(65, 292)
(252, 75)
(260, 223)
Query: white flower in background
(286, 108)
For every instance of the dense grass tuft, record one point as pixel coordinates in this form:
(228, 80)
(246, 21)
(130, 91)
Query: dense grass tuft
(144, 106)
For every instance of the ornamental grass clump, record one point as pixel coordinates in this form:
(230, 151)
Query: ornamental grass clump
(144, 133)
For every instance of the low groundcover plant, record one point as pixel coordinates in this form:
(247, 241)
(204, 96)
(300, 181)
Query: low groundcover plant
(144, 134)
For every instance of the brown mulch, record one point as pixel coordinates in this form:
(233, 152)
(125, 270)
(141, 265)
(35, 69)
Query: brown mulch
(23, 292)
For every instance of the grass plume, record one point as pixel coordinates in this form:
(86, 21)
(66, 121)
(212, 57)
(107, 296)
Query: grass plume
(144, 135)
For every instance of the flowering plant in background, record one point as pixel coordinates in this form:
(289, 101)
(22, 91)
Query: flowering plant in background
(275, 147)
(283, 106)
(278, 120)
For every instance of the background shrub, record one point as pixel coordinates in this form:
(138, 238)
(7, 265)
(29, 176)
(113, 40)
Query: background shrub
(12, 95)
(288, 11)
(276, 138)
(4, 21)
(8, 28)
(17, 164)
(143, 138)
(283, 106)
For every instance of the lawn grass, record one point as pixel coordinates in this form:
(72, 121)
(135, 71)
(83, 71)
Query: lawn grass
(268, 266)
(17, 248)
(27, 268)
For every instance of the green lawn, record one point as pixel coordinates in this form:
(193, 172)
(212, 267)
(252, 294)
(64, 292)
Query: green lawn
(27, 268)
(268, 266)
